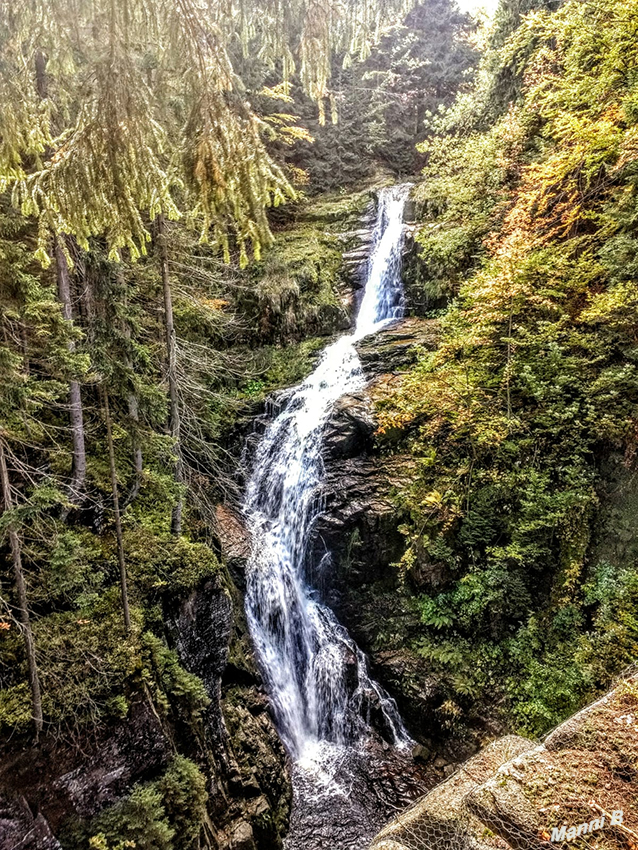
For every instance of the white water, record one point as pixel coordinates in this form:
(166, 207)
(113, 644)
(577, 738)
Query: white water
(316, 676)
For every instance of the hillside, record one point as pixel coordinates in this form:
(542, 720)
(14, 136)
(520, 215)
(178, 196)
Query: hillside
(318, 423)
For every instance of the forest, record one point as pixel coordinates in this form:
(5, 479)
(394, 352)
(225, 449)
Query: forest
(180, 184)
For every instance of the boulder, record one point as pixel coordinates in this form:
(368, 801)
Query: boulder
(350, 429)
(397, 346)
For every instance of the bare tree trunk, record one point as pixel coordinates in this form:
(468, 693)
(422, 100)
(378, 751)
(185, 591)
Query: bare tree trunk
(171, 354)
(41, 80)
(138, 460)
(23, 608)
(134, 413)
(75, 397)
(116, 513)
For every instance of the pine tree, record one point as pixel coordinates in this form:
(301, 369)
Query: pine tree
(76, 412)
(21, 593)
(116, 510)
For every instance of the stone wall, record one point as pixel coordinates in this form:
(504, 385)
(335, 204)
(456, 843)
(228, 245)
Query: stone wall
(519, 795)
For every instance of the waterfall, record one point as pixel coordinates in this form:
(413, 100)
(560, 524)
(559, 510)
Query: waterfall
(317, 677)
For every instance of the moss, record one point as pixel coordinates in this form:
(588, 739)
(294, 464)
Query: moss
(299, 284)
(165, 814)
(167, 566)
(176, 692)
(338, 207)
(86, 659)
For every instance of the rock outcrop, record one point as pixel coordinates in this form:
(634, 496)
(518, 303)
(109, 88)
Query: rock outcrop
(398, 346)
(518, 795)
(249, 794)
(357, 539)
(46, 792)
(358, 527)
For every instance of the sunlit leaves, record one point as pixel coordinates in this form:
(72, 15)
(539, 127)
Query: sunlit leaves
(112, 112)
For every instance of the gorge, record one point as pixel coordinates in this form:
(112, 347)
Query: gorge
(318, 424)
(322, 695)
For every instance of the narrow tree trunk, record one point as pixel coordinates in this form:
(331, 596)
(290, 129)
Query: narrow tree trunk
(171, 355)
(138, 460)
(508, 366)
(116, 513)
(75, 397)
(23, 608)
(41, 80)
(134, 413)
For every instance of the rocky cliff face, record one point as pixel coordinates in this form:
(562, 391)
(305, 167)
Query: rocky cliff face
(357, 539)
(46, 793)
(249, 794)
(580, 783)
(310, 284)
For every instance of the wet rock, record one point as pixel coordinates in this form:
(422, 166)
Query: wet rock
(350, 430)
(20, 829)
(397, 346)
(359, 245)
(56, 780)
(133, 750)
(203, 625)
(349, 792)
(417, 692)
(358, 527)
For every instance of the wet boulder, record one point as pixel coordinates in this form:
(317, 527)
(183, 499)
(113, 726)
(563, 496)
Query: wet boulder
(397, 346)
(350, 429)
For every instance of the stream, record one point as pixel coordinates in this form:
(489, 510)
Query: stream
(340, 727)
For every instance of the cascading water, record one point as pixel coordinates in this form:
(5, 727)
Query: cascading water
(316, 676)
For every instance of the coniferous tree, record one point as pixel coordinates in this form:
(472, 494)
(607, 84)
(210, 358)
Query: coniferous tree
(76, 412)
(116, 510)
(171, 370)
(21, 593)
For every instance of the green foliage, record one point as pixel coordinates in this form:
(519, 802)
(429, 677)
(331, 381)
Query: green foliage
(173, 687)
(109, 128)
(141, 819)
(86, 657)
(165, 814)
(183, 788)
(161, 566)
(15, 707)
(529, 222)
